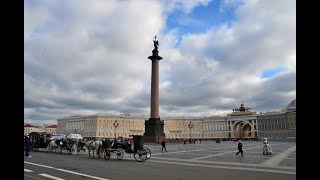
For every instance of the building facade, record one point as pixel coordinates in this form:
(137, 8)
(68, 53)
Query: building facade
(102, 126)
(28, 128)
(51, 129)
(240, 124)
(278, 125)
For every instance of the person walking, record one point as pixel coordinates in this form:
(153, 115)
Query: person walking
(163, 144)
(185, 145)
(240, 148)
(28, 146)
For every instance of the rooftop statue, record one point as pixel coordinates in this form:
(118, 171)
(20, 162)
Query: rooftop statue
(155, 42)
(242, 108)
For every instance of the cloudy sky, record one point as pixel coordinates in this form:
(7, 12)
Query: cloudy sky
(83, 57)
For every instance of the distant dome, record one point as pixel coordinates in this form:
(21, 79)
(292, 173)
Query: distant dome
(291, 105)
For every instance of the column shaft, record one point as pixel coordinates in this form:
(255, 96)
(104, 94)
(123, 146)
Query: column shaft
(155, 89)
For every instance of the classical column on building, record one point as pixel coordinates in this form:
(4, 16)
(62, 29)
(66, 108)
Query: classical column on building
(154, 126)
(255, 127)
(231, 130)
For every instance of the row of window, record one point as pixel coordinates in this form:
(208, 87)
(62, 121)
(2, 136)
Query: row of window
(276, 124)
(103, 134)
(185, 123)
(197, 135)
(267, 134)
(278, 134)
(216, 128)
(185, 129)
(72, 126)
(134, 122)
(120, 128)
(91, 124)
(183, 135)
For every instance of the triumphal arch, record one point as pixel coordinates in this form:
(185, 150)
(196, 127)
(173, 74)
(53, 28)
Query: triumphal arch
(242, 123)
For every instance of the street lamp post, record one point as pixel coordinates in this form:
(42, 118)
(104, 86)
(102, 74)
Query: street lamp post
(190, 127)
(115, 124)
(106, 126)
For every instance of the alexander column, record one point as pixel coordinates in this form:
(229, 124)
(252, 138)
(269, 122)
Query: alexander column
(154, 126)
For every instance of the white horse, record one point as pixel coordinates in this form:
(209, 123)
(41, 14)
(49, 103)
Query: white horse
(53, 146)
(94, 147)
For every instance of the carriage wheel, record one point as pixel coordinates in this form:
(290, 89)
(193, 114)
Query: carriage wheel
(74, 149)
(107, 154)
(120, 153)
(140, 155)
(148, 153)
(144, 154)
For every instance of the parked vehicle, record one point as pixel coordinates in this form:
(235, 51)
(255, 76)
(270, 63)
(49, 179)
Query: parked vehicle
(134, 145)
(39, 140)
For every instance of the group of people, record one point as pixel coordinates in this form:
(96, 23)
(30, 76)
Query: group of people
(266, 148)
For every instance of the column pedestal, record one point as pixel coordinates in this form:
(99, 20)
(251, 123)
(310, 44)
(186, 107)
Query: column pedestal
(154, 131)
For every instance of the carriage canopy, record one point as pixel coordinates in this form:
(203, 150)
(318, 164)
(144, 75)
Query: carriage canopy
(75, 136)
(39, 139)
(58, 137)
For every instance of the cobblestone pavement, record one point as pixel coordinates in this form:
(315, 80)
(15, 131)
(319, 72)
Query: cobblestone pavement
(223, 155)
(209, 152)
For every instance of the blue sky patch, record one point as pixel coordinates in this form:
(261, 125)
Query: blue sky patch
(273, 72)
(201, 19)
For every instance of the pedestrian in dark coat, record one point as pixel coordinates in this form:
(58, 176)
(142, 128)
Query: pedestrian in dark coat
(28, 146)
(163, 144)
(240, 148)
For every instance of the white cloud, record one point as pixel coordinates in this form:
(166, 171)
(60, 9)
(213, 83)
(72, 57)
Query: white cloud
(88, 57)
(183, 5)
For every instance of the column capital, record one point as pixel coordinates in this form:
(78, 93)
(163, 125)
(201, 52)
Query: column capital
(155, 55)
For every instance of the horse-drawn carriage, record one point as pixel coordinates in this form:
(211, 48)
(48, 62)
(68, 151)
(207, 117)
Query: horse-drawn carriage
(55, 143)
(73, 143)
(78, 143)
(39, 140)
(132, 145)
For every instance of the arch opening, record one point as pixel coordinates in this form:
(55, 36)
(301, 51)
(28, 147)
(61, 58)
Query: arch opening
(242, 130)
